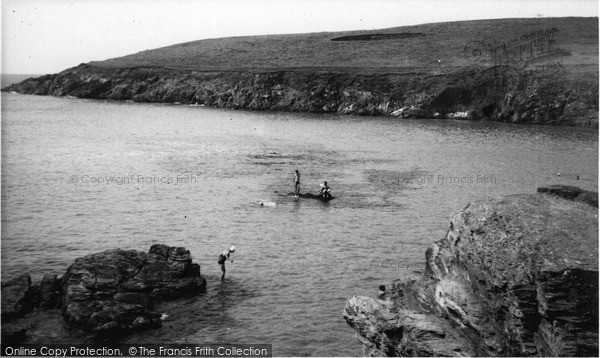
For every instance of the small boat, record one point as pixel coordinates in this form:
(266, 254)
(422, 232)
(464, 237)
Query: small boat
(315, 196)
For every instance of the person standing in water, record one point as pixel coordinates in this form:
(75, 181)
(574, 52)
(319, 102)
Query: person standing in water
(226, 255)
(297, 183)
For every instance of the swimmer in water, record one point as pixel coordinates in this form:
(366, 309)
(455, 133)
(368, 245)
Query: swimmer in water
(297, 183)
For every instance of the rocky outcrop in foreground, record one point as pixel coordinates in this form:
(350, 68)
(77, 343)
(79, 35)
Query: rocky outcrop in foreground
(512, 277)
(105, 294)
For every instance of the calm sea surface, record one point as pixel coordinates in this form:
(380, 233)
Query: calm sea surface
(82, 177)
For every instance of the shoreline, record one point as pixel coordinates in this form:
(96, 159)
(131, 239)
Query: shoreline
(376, 95)
(330, 116)
(518, 71)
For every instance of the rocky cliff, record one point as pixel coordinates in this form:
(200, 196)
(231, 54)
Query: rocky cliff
(535, 71)
(472, 93)
(512, 277)
(105, 294)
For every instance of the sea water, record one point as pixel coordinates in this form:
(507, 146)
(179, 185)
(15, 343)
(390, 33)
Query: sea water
(83, 176)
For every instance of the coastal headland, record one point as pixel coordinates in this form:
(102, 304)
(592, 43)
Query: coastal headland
(532, 71)
(515, 276)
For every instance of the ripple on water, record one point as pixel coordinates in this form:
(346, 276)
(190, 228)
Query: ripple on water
(296, 262)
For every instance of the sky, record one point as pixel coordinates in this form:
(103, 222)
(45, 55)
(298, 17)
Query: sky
(48, 36)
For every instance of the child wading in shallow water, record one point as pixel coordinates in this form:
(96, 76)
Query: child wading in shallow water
(224, 257)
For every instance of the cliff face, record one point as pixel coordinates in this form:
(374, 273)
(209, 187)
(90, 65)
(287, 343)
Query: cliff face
(514, 277)
(537, 71)
(472, 93)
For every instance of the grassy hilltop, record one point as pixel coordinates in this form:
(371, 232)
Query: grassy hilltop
(399, 50)
(440, 70)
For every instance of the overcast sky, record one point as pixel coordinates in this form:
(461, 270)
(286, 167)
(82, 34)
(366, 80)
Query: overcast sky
(48, 36)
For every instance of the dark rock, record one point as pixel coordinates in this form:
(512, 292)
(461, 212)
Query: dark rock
(516, 276)
(130, 297)
(160, 250)
(571, 193)
(477, 92)
(49, 291)
(411, 113)
(13, 334)
(18, 297)
(115, 291)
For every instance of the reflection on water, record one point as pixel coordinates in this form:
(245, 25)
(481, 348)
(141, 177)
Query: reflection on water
(194, 177)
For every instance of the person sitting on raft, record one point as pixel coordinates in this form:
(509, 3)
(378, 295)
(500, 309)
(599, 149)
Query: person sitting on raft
(325, 190)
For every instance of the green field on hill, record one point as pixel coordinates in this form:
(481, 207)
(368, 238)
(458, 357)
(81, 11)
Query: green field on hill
(429, 47)
(534, 71)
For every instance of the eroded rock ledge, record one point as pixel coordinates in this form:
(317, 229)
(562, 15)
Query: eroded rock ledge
(469, 93)
(105, 294)
(512, 277)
